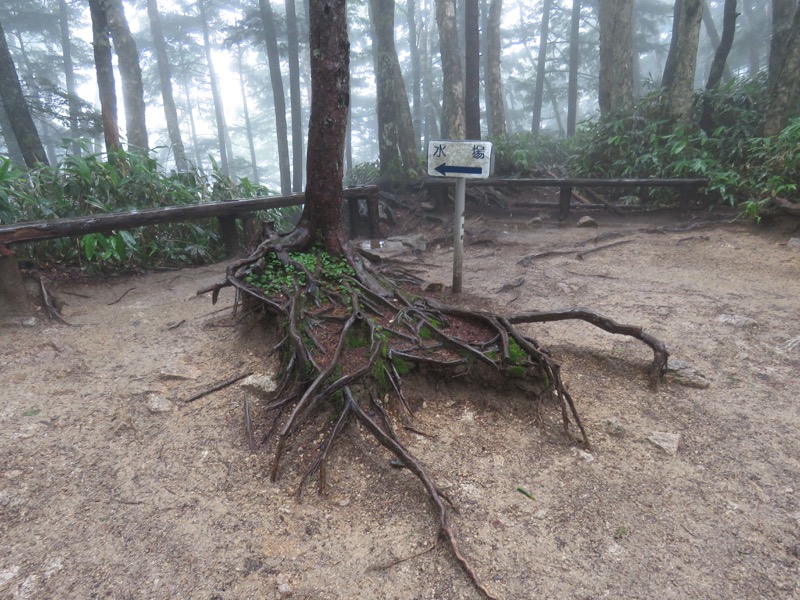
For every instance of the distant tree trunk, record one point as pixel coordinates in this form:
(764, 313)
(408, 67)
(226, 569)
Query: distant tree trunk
(669, 67)
(496, 107)
(783, 12)
(416, 68)
(295, 98)
(472, 70)
(680, 88)
(396, 139)
(69, 75)
(713, 36)
(431, 130)
(198, 159)
(165, 77)
(574, 63)
(752, 34)
(556, 110)
(104, 69)
(248, 126)
(131, 75)
(16, 109)
(541, 63)
(217, 98)
(616, 55)
(278, 96)
(784, 79)
(719, 65)
(453, 126)
(330, 101)
(14, 151)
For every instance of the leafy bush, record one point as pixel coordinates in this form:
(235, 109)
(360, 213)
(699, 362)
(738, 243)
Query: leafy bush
(92, 184)
(524, 155)
(719, 144)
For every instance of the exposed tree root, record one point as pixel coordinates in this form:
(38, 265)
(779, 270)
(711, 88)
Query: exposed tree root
(350, 333)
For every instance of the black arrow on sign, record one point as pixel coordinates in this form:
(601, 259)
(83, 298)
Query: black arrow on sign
(445, 170)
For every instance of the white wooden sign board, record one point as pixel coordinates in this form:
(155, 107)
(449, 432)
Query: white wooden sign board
(470, 159)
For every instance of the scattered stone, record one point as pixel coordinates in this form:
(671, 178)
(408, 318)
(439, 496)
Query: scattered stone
(415, 242)
(584, 455)
(615, 427)
(429, 206)
(284, 587)
(536, 221)
(158, 404)
(668, 442)
(793, 243)
(737, 320)
(8, 574)
(432, 287)
(587, 221)
(260, 383)
(686, 375)
(179, 371)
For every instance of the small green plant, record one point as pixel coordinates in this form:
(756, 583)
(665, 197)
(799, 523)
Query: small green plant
(621, 533)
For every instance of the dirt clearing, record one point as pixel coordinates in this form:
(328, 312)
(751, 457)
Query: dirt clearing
(111, 487)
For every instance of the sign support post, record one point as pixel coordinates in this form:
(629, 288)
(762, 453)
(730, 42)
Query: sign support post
(458, 234)
(461, 160)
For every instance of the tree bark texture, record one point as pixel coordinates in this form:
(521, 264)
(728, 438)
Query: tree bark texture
(416, 68)
(574, 63)
(541, 72)
(680, 88)
(278, 96)
(669, 66)
(616, 55)
(396, 139)
(69, 74)
(104, 70)
(784, 82)
(472, 70)
(130, 73)
(453, 126)
(219, 114)
(719, 66)
(496, 107)
(12, 147)
(17, 110)
(165, 78)
(783, 12)
(330, 102)
(295, 99)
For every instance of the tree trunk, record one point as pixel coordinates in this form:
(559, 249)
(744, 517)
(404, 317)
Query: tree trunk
(783, 12)
(453, 125)
(680, 88)
(295, 98)
(616, 55)
(165, 77)
(69, 75)
(217, 98)
(431, 130)
(496, 107)
(131, 75)
(396, 139)
(278, 96)
(472, 70)
(198, 159)
(719, 65)
(12, 147)
(541, 63)
(17, 109)
(416, 69)
(751, 37)
(330, 101)
(784, 82)
(248, 126)
(104, 70)
(574, 63)
(669, 68)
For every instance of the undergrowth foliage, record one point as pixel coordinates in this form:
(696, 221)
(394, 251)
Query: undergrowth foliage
(96, 184)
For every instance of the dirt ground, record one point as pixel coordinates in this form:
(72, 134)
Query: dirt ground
(112, 487)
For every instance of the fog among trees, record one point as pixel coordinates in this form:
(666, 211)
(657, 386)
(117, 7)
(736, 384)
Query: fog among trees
(226, 85)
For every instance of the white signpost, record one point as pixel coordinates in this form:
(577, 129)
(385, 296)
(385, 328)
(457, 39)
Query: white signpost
(462, 160)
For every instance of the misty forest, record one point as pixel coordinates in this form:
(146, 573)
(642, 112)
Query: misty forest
(112, 106)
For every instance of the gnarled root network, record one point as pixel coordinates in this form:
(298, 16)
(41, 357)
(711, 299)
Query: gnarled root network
(350, 333)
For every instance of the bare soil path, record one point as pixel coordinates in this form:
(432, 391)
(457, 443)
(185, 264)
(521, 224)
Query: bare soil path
(111, 487)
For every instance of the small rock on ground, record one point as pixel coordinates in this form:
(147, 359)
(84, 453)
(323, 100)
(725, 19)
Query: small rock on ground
(668, 442)
(260, 383)
(684, 374)
(737, 320)
(587, 221)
